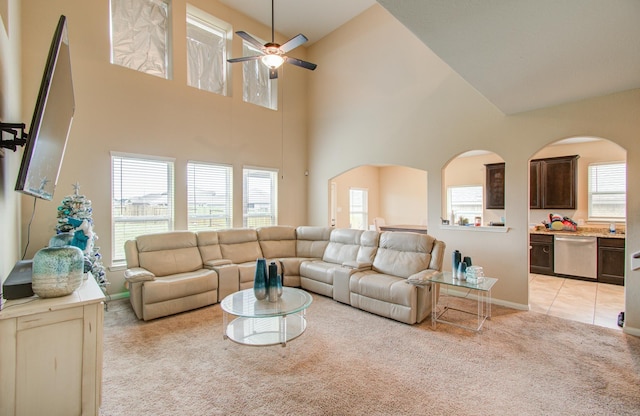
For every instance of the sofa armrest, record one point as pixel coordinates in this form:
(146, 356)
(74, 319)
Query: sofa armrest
(212, 264)
(138, 274)
(358, 265)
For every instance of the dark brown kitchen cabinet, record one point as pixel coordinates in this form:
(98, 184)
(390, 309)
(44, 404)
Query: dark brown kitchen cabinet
(494, 186)
(553, 183)
(541, 254)
(611, 260)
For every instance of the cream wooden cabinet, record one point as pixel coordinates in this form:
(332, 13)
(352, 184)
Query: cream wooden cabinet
(51, 354)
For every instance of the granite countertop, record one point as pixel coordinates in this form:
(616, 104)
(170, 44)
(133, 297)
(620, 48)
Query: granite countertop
(581, 232)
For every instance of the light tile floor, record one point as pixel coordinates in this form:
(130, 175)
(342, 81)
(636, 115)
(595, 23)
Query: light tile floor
(578, 300)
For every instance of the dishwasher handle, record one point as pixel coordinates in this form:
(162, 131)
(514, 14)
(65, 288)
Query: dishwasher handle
(579, 240)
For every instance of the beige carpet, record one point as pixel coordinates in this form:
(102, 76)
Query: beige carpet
(350, 362)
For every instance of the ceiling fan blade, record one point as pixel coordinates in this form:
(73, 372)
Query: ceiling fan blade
(300, 63)
(244, 35)
(244, 59)
(273, 73)
(293, 43)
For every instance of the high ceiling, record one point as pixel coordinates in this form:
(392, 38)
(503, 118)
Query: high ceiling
(520, 54)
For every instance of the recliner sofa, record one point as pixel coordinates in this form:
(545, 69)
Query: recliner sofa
(172, 272)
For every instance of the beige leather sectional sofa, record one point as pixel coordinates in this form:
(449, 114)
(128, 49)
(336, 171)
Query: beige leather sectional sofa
(177, 271)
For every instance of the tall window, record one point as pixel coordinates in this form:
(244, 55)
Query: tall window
(607, 191)
(206, 51)
(142, 198)
(257, 87)
(358, 208)
(464, 203)
(209, 196)
(260, 197)
(140, 32)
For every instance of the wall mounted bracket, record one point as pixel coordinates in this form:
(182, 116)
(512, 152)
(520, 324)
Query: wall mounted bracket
(17, 131)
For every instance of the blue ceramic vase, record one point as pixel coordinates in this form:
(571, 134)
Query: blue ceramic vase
(57, 271)
(260, 280)
(275, 283)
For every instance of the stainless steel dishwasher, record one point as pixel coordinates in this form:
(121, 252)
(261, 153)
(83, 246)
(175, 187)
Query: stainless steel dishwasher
(576, 256)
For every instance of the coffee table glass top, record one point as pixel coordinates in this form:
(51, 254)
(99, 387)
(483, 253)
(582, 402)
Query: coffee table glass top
(447, 279)
(245, 304)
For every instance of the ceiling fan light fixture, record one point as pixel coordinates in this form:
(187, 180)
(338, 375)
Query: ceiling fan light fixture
(273, 61)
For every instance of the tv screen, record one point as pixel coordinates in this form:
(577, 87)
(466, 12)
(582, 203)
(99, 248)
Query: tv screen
(51, 122)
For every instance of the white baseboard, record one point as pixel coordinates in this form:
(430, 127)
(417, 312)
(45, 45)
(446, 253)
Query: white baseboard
(631, 331)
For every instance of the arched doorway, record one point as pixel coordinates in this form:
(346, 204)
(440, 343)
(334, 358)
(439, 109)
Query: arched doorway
(557, 288)
(397, 194)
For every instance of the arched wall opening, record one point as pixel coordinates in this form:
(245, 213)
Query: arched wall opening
(396, 194)
(473, 190)
(551, 270)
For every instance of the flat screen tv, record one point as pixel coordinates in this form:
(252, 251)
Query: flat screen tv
(51, 122)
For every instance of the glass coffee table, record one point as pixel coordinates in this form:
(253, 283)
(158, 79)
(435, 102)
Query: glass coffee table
(249, 321)
(483, 295)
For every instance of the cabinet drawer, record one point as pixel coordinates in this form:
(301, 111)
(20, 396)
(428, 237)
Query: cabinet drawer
(541, 238)
(611, 242)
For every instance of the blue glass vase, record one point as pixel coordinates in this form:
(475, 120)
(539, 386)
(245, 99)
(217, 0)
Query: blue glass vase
(260, 280)
(275, 283)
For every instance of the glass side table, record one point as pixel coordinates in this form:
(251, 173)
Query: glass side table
(483, 291)
(263, 323)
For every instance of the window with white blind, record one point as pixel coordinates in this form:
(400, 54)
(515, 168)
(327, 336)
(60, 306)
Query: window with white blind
(260, 197)
(464, 203)
(207, 41)
(607, 191)
(257, 87)
(140, 35)
(209, 196)
(358, 208)
(141, 197)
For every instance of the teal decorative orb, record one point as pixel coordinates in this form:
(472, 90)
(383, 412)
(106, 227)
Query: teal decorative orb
(57, 271)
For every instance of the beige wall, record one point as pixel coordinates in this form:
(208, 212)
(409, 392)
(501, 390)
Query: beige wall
(411, 109)
(9, 113)
(119, 109)
(403, 195)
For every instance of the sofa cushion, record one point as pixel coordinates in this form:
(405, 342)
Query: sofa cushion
(383, 287)
(169, 253)
(318, 270)
(240, 245)
(179, 285)
(312, 241)
(343, 246)
(209, 245)
(277, 241)
(403, 254)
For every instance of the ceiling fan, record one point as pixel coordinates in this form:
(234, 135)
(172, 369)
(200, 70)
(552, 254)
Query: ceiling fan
(273, 55)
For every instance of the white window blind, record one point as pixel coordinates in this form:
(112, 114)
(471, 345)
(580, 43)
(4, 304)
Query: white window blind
(142, 198)
(358, 208)
(607, 191)
(260, 197)
(209, 196)
(257, 87)
(206, 52)
(140, 35)
(464, 202)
